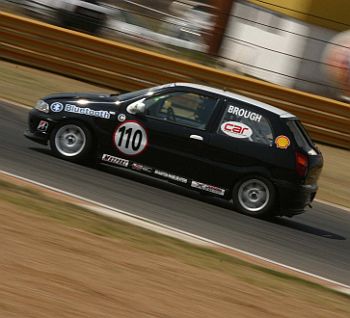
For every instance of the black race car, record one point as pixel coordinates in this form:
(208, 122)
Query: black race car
(200, 137)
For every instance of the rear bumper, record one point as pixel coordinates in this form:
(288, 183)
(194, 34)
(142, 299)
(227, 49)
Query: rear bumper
(295, 198)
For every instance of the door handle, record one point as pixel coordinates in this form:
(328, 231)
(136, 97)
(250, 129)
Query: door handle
(196, 137)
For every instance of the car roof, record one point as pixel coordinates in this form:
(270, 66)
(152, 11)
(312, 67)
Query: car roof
(280, 112)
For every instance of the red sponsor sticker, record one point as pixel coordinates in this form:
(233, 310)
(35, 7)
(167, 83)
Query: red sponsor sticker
(43, 125)
(236, 129)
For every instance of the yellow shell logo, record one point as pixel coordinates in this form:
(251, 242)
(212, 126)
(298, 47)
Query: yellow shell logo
(282, 142)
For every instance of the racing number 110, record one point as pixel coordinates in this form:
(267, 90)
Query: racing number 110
(135, 135)
(130, 138)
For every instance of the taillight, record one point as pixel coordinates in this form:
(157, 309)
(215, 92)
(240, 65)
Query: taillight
(302, 164)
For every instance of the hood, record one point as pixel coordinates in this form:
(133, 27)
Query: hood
(101, 97)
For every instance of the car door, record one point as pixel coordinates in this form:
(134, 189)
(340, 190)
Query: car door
(175, 124)
(240, 143)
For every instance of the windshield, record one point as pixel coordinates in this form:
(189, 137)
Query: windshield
(133, 94)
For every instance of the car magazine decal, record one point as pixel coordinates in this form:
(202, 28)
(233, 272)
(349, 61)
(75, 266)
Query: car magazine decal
(241, 112)
(115, 160)
(130, 138)
(208, 188)
(236, 129)
(282, 142)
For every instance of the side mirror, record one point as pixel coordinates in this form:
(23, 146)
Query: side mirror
(137, 107)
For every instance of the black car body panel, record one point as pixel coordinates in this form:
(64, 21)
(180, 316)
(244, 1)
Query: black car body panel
(203, 138)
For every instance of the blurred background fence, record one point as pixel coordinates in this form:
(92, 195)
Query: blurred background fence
(286, 42)
(125, 67)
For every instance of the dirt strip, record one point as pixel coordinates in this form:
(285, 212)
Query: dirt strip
(57, 260)
(237, 254)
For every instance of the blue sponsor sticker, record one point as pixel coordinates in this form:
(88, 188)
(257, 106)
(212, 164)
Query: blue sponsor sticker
(56, 107)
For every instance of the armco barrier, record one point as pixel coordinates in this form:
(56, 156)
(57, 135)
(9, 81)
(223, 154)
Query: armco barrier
(125, 67)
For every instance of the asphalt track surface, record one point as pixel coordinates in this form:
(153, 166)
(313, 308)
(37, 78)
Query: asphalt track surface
(317, 241)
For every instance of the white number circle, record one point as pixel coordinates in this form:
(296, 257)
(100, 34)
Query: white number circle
(130, 138)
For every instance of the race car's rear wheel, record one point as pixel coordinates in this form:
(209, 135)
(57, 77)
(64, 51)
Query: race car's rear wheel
(254, 196)
(71, 141)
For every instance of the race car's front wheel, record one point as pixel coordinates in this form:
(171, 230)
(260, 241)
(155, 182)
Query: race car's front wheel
(71, 141)
(254, 196)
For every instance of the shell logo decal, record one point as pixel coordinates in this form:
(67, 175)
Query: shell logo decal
(282, 142)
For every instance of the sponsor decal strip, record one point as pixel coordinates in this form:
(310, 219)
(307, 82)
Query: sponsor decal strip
(115, 160)
(142, 168)
(208, 188)
(69, 108)
(170, 176)
(139, 167)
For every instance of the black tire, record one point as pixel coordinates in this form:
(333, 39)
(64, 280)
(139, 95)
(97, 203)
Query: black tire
(255, 196)
(72, 141)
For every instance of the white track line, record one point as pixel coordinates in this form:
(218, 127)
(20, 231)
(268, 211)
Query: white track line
(106, 210)
(7, 101)
(333, 205)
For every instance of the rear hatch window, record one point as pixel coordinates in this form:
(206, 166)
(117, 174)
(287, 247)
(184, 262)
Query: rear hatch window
(313, 159)
(301, 137)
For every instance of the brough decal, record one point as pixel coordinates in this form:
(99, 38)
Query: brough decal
(56, 107)
(115, 160)
(241, 112)
(43, 125)
(236, 130)
(170, 176)
(208, 188)
(282, 142)
(141, 168)
(130, 138)
(87, 111)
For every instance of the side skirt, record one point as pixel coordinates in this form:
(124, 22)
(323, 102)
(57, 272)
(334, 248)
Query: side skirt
(164, 175)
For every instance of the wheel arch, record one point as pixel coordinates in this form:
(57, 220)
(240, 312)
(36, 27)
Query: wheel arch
(259, 176)
(69, 120)
(90, 148)
(244, 172)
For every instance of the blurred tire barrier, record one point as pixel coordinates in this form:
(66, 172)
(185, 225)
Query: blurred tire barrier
(128, 68)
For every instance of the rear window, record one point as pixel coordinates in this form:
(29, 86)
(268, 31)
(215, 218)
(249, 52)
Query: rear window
(300, 135)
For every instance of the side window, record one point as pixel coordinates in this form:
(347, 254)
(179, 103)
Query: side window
(184, 108)
(239, 121)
